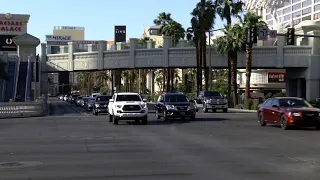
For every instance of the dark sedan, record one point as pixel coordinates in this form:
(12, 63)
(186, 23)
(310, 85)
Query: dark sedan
(101, 104)
(288, 111)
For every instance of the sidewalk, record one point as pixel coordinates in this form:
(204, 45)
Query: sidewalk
(241, 110)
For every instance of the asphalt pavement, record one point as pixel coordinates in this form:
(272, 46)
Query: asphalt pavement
(72, 145)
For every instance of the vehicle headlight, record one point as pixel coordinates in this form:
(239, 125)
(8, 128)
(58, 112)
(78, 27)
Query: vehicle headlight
(170, 107)
(191, 107)
(143, 106)
(118, 106)
(97, 105)
(294, 114)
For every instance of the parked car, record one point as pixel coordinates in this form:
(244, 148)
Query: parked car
(93, 95)
(73, 98)
(78, 101)
(101, 104)
(287, 112)
(175, 105)
(88, 103)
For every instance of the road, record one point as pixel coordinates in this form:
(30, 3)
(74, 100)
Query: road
(72, 145)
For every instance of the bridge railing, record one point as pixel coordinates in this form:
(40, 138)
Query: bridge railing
(23, 109)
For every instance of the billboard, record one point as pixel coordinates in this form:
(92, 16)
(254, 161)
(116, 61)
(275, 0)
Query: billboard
(7, 44)
(120, 33)
(58, 38)
(276, 77)
(64, 43)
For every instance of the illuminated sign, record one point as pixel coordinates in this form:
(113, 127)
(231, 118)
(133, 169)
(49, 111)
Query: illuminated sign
(57, 38)
(276, 77)
(7, 44)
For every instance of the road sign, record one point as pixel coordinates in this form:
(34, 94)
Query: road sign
(263, 33)
(273, 33)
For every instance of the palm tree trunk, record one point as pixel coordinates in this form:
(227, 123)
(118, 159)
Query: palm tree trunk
(233, 63)
(168, 79)
(248, 75)
(172, 79)
(206, 70)
(198, 54)
(229, 23)
(164, 74)
(200, 59)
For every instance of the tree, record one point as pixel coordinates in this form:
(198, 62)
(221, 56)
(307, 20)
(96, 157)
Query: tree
(169, 27)
(3, 72)
(203, 16)
(250, 19)
(231, 43)
(227, 9)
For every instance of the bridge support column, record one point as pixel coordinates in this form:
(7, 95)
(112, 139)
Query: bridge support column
(150, 75)
(102, 46)
(312, 89)
(44, 74)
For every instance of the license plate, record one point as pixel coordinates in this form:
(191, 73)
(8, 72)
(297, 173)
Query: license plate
(182, 113)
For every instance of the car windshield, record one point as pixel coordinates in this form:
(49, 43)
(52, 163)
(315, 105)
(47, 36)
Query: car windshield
(128, 98)
(75, 95)
(80, 97)
(211, 94)
(176, 98)
(290, 102)
(90, 100)
(103, 98)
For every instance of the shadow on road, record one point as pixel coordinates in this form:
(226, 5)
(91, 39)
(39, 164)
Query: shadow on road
(295, 128)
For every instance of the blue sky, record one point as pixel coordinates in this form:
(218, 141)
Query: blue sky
(98, 16)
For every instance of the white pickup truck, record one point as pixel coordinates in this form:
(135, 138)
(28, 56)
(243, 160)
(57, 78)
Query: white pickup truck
(128, 106)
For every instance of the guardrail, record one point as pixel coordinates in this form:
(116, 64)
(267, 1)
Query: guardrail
(23, 109)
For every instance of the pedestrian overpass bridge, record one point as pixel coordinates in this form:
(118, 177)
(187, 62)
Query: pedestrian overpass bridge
(98, 58)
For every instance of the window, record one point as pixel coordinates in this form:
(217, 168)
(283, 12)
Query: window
(269, 16)
(306, 18)
(268, 10)
(270, 23)
(103, 98)
(296, 7)
(286, 10)
(287, 17)
(296, 14)
(297, 21)
(316, 16)
(294, 1)
(128, 97)
(176, 98)
(274, 102)
(316, 1)
(317, 7)
(268, 102)
(211, 94)
(291, 102)
(287, 3)
(306, 3)
(306, 11)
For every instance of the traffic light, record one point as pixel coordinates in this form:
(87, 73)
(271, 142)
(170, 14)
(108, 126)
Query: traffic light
(251, 35)
(290, 36)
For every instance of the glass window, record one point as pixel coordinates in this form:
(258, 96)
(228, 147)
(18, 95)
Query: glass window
(176, 98)
(316, 1)
(306, 18)
(270, 23)
(291, 102)
(306, 11)
(316, 16)
(287, 17)
(211, 94)
(275, 103)
(296, 7)
(268, 102)
(103, 98)
(286, 10)
(294, 1)
(268, 10)
(306, 3)
(296, 14)
(297, 21)
(279, 12)
(128, 97)
(269, 16)
(317, 7)
(287, 3)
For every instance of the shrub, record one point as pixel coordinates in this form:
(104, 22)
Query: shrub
(250, 103)
(254, 105)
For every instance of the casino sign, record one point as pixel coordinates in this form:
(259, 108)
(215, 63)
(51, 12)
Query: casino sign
(12, 23)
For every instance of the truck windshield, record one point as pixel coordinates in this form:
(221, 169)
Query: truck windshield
(128, 98)
(211, 94)
(103, 98)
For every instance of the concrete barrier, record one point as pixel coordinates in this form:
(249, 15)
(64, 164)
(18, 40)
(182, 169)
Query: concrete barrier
(23, 109)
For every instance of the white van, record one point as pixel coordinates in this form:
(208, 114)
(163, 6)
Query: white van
(93, 95)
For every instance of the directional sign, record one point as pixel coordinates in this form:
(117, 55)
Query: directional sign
(263, 33)
(273, 33)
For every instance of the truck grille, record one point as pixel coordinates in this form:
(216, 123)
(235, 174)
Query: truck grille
(131, 108)
(182, 107)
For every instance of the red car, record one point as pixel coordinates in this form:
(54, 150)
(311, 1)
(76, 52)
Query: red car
(288, 111)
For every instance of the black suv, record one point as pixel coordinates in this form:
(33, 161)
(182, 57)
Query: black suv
(73, 98)
(101, 104)
(175, 105)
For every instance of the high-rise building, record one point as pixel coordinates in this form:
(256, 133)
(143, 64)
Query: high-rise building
(295, 11)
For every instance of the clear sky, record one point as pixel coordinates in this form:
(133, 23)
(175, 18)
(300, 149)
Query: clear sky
(97, 16)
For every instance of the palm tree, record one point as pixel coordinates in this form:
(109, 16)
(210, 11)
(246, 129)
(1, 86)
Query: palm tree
(250, 20)
(231, 43)
(169, 27)
(203, 16)
(227, 9)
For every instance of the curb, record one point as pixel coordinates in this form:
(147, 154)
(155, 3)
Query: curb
(242, 110)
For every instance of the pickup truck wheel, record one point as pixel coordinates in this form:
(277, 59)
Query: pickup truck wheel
(225, 110)
(94, 112)
(115, 120)
(110, 118)
(145, 120)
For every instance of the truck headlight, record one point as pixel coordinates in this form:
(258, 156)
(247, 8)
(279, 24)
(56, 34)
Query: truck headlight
(143, 106)
(97, 105)
(171, 107)
(118, 106)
